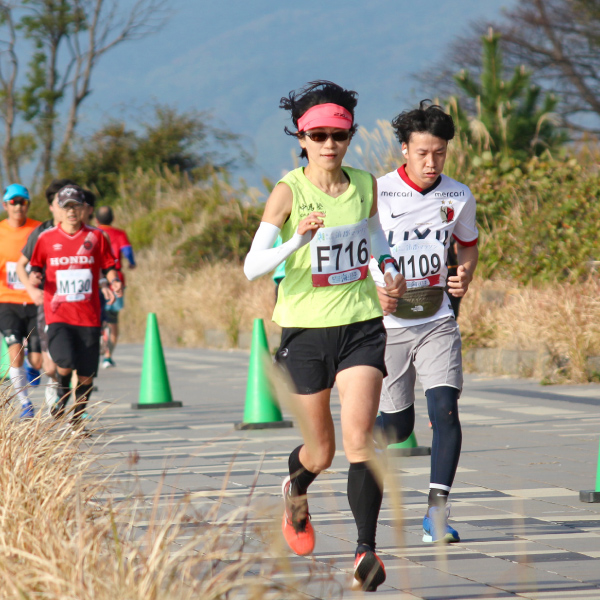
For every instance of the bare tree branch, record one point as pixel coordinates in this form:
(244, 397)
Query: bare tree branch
(558, 41)
(107, 27)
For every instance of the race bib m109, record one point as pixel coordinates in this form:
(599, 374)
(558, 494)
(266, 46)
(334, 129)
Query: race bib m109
(420, 261)
(340, 255)
(74, 285)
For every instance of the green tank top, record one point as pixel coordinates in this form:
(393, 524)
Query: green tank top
(299, 303)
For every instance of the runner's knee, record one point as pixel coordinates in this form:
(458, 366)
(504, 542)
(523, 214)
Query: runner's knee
(35, 359)
(319, 456)
(397, 426)
(442, 405)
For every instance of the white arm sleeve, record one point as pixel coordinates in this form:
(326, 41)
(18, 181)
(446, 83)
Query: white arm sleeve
(379, 245)
(263, 258)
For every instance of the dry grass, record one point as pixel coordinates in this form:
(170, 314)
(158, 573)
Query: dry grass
(215, 297)
(64, 535)
(559, 320)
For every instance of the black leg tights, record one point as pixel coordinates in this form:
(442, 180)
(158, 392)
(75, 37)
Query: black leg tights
(397, 426)
(364, 497)
(64, 387)
(300, 477)
(442, 404)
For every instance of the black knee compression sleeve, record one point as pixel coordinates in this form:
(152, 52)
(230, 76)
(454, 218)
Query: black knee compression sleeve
(442, 404)
(397, 426)
(364, 497)
(300, 477)
(64, 389)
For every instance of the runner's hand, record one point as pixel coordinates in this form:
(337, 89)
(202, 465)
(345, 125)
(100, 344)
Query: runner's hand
(459, 284)
(311, 223)
(394, 287)
(388, 304)
(35, 278)
(108, 294)
(37, 296)
(117, 287)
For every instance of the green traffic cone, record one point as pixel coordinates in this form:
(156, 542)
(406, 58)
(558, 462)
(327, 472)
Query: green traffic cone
(592, 495)
(261, 410)
(155, 390)
(408, 447)
(4, 360)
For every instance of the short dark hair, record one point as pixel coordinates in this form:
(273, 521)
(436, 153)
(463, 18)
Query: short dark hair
(425, 119)
(89, 198)
(55, 186)
(318, 92)
(104, 215)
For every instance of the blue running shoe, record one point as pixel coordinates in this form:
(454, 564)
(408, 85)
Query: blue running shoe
(33, 375)
(27, 411)
(435, 526)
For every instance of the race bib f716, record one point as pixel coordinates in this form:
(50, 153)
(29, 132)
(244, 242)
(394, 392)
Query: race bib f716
(340, 255)
(420, 261)
(74, 285)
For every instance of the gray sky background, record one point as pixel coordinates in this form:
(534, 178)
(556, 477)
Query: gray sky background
(237, 59)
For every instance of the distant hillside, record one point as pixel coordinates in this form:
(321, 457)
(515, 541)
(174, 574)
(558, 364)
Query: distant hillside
(238, 58)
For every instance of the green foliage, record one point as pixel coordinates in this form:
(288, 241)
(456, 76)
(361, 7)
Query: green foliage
(227, 238)
(511, 118)
(182, 142)
(539, 221)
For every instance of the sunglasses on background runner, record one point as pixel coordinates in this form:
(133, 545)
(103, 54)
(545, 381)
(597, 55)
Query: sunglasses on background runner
(321, 136)
(18, 202)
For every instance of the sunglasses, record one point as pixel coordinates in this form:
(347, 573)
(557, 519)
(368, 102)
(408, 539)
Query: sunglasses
(321, 136)
(18, 202)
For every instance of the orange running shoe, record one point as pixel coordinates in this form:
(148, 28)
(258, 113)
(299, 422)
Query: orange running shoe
(297, 529)
(369, 572)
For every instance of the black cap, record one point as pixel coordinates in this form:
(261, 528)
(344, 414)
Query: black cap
(70, 194)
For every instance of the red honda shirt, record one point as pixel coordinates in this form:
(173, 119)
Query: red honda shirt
(73, 264)
(118, 241)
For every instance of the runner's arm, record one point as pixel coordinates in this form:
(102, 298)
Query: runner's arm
(114, 282)
(395, 284)
(128, 254)
(36, 294)
(468, 256)
(263, 258)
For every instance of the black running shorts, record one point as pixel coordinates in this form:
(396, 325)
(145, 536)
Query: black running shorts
(313, 357)
(18, 323)
(75, 347)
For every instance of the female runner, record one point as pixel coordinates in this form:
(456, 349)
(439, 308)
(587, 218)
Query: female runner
(329, 311)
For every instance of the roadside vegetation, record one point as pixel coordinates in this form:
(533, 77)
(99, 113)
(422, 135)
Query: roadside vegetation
(70, 530)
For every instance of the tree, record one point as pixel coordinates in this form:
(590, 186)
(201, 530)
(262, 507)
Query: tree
(69, 37)
(181, 142)
(508, 117)
(558, 41)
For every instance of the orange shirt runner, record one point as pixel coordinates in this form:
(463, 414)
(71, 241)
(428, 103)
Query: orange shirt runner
(12, 240)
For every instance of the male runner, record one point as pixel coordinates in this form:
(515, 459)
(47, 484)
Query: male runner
(37, 294)
(73, 255)
(422, 211)
(121, 246)
(17, 311)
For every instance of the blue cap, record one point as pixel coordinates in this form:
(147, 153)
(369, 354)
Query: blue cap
(15, 190)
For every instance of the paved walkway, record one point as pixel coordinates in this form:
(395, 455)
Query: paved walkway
(527, 452)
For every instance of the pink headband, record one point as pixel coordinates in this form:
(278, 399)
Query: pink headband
(325, 115)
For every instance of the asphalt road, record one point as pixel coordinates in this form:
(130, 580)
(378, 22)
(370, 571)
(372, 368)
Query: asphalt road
(527, 451)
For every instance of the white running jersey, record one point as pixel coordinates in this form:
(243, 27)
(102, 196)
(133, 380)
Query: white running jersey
(428, 219)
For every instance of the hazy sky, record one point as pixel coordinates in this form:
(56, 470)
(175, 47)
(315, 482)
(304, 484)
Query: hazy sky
(238, 58)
